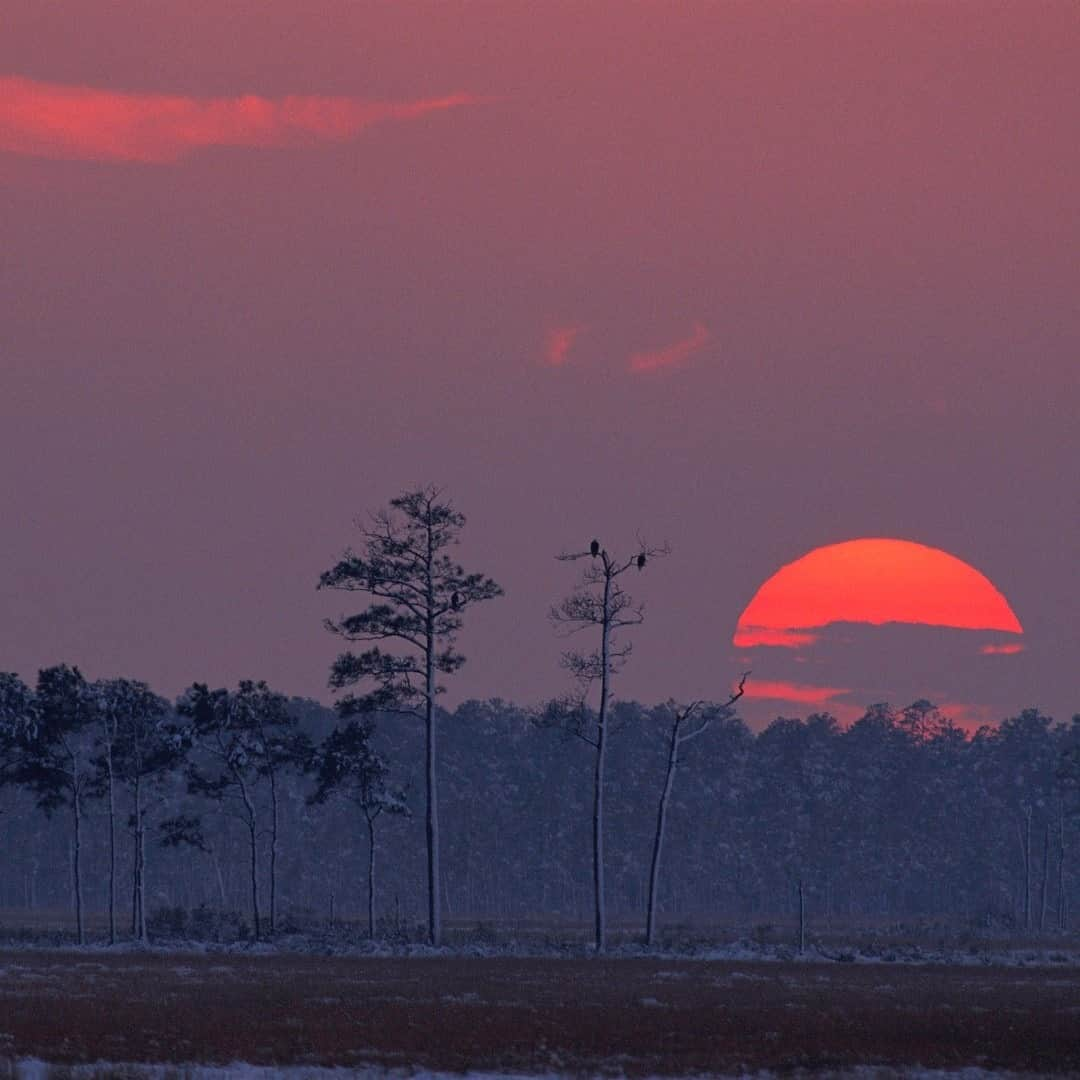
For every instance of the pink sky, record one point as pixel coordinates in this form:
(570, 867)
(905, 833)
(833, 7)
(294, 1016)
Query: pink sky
(794, 274)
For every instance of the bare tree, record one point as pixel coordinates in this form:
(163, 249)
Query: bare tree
(418, 596)
(598, 603)
(687, 722)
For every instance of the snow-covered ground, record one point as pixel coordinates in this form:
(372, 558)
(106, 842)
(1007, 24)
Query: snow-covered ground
(33, 1069)
(973, 954)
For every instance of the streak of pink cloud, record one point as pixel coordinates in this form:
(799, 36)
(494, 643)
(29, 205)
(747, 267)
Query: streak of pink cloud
(968, 716)
(747, 637)
(560, 341)
(52, 120)
(798, 693)
(1005, 648)
(670, 356)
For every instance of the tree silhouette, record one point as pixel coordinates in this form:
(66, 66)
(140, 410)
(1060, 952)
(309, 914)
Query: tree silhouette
(238, 741)
(687, 722)
(130, 746)
(597, 603)
(346, 765)
(418, 596)
(55, 759)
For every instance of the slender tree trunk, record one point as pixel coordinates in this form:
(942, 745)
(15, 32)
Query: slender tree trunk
(254, 848)
(140, 857)
(135, 869)
(599, 913)
(76, 859)
(1027, 869)
(658, 839)
(371, 878)
(1024, 838)
(143, 935)
(432, 822)
(250, 820)
(273, 851)
(112, 846)
(1061, 917)
(1045, 878)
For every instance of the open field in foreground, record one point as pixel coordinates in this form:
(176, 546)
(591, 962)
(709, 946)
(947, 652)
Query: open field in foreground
(618, 1016)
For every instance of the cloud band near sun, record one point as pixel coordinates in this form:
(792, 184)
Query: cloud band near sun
(53, 120)
(795, 693)
(874, 581)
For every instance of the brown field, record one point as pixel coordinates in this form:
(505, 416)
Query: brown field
(631, 1016)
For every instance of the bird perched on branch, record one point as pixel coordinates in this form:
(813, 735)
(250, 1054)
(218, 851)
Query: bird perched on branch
(641, 561)
(594, 548)
(455, 601)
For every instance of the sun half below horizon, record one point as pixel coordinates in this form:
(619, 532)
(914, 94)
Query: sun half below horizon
(875, 581)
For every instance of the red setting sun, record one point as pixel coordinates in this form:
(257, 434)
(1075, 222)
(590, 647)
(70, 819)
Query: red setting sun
(874, 581)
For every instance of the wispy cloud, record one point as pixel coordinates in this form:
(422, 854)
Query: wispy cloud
(969, 716)
(670, 356)
(53, 120)
(560, 340)
(799, 693)
(747, 637)
(1005, 648)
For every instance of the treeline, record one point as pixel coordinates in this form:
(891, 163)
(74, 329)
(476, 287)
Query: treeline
(246, 801)
(901, 815)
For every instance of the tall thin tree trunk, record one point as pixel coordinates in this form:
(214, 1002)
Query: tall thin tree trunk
(1027, 870)
(1024, 838)
(273, 851)
(432, 817)
(140, 855)
(143, 935)
(76, 859)
(1045, 878)
(371, 878)
(135, 874)
(1061, 916)
(598, 844)
(250, 820)
(599, 914)
(658, 839)
(253, 837)
(112, 845)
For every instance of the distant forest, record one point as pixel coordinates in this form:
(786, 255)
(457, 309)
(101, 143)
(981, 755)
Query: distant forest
(899, 816)
(235, 813)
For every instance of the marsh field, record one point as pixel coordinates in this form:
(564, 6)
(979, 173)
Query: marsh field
(571, 1015)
